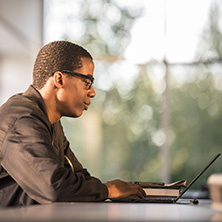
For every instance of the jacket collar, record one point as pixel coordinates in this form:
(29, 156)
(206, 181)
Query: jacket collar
(33, 94)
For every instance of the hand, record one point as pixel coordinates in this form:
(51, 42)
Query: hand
(121, 189)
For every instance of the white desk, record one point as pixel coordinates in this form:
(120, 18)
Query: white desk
(62, 212)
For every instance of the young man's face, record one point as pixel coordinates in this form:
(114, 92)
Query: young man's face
(75, 95)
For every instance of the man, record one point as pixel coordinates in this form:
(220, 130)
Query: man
(36, 162)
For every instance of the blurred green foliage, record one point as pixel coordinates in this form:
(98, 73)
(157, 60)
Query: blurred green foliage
(129, 112)
(196, 118)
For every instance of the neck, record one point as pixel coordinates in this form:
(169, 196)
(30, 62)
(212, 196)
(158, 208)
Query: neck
(49, 98)
(53, 115)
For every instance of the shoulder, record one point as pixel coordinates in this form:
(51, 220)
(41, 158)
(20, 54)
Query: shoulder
(20, 106)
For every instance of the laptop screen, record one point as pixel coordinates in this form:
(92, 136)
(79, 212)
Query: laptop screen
(195, 179)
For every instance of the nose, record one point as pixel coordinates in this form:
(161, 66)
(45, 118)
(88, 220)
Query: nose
(91, 92)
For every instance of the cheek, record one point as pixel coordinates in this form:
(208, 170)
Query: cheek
(65, 100)
(75, 101)
(71, 100)
(65, 95)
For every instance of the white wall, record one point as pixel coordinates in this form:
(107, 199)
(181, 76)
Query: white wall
(21, 37)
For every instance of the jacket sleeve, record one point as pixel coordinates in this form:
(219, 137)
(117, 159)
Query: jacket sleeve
(29, 157)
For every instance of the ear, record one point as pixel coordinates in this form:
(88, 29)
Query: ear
(58, 79)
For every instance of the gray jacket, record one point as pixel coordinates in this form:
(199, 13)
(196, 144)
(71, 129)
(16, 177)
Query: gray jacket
(36, 162)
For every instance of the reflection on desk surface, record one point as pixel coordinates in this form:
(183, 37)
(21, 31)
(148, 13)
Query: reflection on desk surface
(182, 211)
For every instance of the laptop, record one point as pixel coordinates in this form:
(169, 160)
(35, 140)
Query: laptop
(165, 200)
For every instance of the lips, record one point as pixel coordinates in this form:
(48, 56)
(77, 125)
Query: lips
(86, 105)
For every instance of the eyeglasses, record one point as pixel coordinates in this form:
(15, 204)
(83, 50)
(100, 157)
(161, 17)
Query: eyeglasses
(89, 77)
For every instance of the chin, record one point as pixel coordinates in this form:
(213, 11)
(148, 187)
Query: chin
(76, 115)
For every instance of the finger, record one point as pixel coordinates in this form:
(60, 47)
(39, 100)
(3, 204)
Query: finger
(137, 190)
(140, 194)
(141, 191)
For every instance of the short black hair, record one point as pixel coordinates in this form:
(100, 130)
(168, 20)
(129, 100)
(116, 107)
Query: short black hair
(56, 56)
